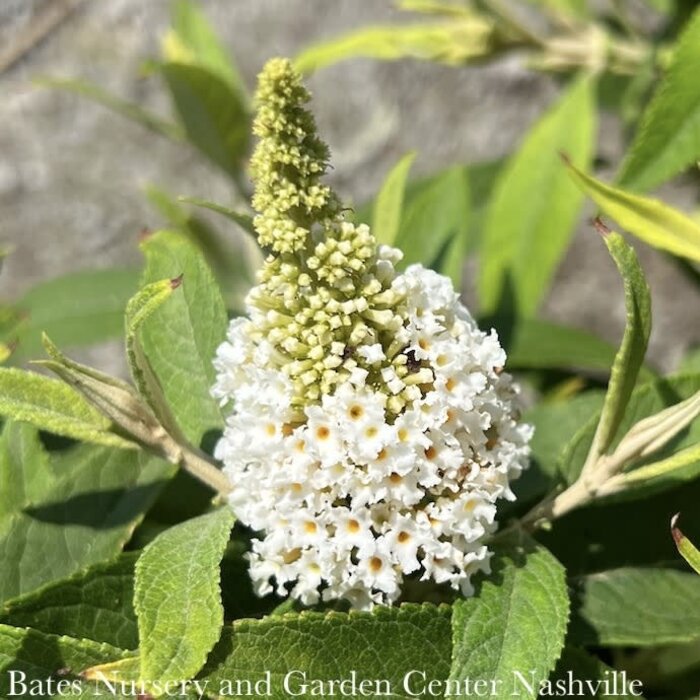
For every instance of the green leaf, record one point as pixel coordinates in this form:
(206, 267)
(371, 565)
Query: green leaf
(580, 666)
(435, 212)
(386, 218)
(684, 465)
(387, 644)
(52, 405)
(62, 512)
(649, 219)
(554, 422)
(215, 119)
(233, 259)
(95, 603)
(637, 607)
(630, 356)
(453, 42)
(138, 310)
(668, 139)
(43, 656)
(646, 400)
(130, 110)
(535, 344)
(178, 598)
(244, 221)
(687, 549)
(78, 309)
(192, 40)
(516, 623)
(534, 207)
(180, 338)
(612, 533)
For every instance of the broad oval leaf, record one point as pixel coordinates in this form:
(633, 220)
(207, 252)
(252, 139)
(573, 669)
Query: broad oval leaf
(516, 622)
(576, 666)
(637, 607)
(94, 603)
(668, 139)
(405, 647)
(648, 219)
(177, 596)
(180, 338)
(62, 512)
(534, 207)
(40, 656)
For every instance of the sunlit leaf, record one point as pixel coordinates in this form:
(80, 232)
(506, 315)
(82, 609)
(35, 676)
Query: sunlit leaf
(668, 139)
(649, 219)
(388, 205)
(687, 549)
(177, 596)
(453, 42)
(534, 206)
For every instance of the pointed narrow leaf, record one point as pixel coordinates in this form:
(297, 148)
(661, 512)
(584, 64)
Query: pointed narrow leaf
(177, 596)
(684, 465)
(453, 42)
(181, 337)
(191, 39)
(245, 221)
(138, 310)
(685, 546)
(215, 119)
(646, 400)
(388, 205)
(668, 139)
(53, 406)
(534, 206)
(516, 622)
(630, 356)
(130, 110)
(435, 211)
(648, 219)
(652, 433)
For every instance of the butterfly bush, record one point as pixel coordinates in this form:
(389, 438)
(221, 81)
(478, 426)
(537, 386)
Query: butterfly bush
(371, 428)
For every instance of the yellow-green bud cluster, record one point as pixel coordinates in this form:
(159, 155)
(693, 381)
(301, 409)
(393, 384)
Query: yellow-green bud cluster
(325, 289)
(288, 163)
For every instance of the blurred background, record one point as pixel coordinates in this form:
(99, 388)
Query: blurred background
(72, 174)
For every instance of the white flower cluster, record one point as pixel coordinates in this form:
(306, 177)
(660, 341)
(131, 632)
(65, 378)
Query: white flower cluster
(350, 496)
